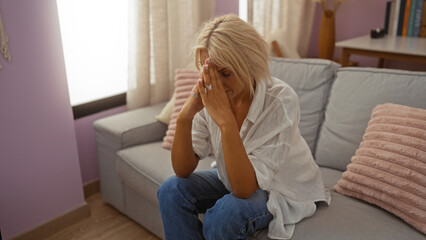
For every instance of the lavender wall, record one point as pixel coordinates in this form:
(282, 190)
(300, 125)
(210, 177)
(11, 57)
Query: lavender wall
(226, 6)
(39, 170)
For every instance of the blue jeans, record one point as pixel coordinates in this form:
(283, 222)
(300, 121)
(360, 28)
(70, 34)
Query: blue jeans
(226, 217)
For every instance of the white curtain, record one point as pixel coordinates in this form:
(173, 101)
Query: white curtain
(161, 34)
(289, 20)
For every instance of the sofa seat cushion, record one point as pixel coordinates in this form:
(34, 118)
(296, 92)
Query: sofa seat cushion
(143, 168)
(344, 217)
(350, 219)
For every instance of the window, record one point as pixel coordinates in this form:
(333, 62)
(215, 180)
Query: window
(95, 42)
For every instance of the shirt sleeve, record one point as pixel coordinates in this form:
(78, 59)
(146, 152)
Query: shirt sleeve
(200, 135)
(270, 145)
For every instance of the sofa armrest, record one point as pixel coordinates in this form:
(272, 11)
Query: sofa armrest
(131, 128)
(121, 131)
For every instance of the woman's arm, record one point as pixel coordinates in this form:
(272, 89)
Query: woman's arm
(184, 160)
(239, 169)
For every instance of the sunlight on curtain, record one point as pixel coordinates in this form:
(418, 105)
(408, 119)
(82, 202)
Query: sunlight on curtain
(242, 9)
(95, 43)
(288, 22)
(161, 36)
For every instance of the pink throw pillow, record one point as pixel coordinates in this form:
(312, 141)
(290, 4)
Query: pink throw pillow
(389, 168)
(185, 80)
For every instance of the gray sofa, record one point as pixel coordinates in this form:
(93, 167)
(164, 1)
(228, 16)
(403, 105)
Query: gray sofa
(336, 104)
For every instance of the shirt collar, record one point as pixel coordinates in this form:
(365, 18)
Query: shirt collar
(257, 103)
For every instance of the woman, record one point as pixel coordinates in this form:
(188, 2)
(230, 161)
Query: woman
(266, 176)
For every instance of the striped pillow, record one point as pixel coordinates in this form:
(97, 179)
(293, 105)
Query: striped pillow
(389, 168)
(185, 80)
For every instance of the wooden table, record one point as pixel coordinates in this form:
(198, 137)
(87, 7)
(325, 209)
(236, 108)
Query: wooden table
(388, 47)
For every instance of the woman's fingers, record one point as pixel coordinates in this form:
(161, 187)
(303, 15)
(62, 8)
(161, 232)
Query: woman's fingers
(195, 89)
(216, 80)
(201, 89)
(195, 92)
(206, 74)
(211, 79)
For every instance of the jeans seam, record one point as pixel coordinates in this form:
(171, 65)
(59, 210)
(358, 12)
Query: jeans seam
(243, 230)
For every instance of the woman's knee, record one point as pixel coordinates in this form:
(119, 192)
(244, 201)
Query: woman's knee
(174, 187)
(235, 218)
(168, 188)
(226, 220)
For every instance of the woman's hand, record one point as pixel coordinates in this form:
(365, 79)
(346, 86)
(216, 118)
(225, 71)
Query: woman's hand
(214, 97)
(193, 103)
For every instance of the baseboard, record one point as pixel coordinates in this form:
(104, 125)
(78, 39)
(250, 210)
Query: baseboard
(64, 220)
(91, 188)
(56, 225)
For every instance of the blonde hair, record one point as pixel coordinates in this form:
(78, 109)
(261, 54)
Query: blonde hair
(234, 44)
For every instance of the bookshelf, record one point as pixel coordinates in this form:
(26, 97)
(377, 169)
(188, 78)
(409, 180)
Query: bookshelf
(388, 47)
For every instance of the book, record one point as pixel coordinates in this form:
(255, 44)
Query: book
(387, 16)
(401, 17)
(395, 19)
(423, 25)
(418, 18)
(392, 19)
(412, 16)
(406, 18)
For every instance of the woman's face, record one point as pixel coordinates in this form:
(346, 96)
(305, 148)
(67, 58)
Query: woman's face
(232, 86)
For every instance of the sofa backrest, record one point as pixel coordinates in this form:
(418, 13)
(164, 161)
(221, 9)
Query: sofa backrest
(311, 79)
(354, 94)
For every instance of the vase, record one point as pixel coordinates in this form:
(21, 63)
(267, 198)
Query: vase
(326, 35)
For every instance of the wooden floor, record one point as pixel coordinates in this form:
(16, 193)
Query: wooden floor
(104, 223)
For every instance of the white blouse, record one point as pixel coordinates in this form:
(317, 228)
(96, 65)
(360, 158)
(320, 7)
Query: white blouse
(282, 160)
